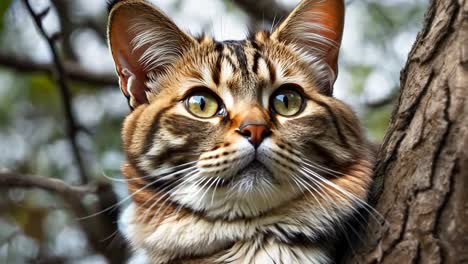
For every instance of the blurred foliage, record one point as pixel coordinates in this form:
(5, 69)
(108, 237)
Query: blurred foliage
(378, 119)
(32, 118)
(4, 4)
(391, 19)
(29, 219)
(360, 73)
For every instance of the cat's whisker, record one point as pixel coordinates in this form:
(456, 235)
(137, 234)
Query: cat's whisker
(156, 175)
(103, 173)
(349, 195)
(323, 168)
(316, 177)
(305, 184)
(214, 189)
(160, 209)
(175, 185)
(166, 177)
(159, 192)
(360, 201)
(212, 181)
(327, 197)
(297, 155)
(204, 181)
(184, 181)
(167, 196)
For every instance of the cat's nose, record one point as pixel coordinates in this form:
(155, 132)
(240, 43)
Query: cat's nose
(254, 132)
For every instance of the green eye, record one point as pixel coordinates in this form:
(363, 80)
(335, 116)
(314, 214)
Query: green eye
(287, 101)
(202, 104)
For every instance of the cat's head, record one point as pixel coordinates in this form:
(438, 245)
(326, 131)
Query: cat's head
(234, 129)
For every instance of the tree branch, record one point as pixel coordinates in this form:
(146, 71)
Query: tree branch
(66, 28)
(390, 99)
(70, 24)
(72, 71)
(16, 180)
(72, 125)
(98, 222)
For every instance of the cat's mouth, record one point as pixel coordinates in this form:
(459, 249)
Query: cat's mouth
(252, 174)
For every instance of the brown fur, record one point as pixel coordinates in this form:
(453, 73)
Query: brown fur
(322, 150)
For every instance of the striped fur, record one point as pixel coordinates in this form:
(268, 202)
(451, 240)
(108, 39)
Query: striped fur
(201, 193)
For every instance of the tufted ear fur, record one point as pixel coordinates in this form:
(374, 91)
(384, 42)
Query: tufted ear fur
(315, 26)
(143, 41)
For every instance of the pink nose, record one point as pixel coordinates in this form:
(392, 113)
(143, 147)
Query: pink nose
(255, 133)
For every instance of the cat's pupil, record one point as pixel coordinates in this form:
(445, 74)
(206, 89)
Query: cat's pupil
(285, 101)
(202, 103)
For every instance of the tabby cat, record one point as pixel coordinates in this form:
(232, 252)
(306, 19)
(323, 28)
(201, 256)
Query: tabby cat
(236, 151)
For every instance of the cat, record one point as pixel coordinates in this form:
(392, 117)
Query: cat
(236, 151)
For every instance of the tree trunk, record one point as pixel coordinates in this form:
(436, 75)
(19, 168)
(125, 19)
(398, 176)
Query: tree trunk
(422, 172)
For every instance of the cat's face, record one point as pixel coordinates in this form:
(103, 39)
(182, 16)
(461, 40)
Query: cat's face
(234, 129)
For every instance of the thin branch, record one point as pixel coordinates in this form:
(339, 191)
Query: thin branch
(98, 228)
(66, 25)
(16, 180)
(390, 99)
(96, 26)
(73, 71)
(70, 23)
(72, 126)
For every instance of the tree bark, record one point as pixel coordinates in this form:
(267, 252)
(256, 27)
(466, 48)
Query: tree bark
(422, 172)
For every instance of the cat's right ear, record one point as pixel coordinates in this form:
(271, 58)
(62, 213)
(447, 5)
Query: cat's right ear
(316, 27)
(143, 41)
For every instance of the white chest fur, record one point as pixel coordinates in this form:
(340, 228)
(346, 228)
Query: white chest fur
(224, 242)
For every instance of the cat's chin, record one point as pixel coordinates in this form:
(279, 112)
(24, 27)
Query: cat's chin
(252, 175)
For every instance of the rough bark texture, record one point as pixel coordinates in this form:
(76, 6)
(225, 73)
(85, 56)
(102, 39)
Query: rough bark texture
(423, 162)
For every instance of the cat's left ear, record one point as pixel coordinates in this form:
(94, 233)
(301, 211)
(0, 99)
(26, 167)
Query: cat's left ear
(143, 41)
(315, 26)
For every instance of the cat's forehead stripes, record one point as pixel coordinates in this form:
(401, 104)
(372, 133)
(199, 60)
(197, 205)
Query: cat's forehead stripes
(239, 65)
(236, 70)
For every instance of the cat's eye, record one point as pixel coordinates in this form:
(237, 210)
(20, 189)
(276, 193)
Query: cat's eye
(287, 101)
(202, 104)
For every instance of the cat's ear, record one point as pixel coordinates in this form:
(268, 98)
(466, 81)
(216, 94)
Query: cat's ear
(143, 41)
(315, 26)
